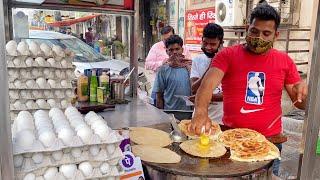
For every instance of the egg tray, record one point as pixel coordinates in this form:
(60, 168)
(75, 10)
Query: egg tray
(69, 73)
(13, 99)
(28, 164)
(37, 146)
(52, 95)
(53, 55)
(115, 171)
(12, 87)
(11, 65)
(22, 78)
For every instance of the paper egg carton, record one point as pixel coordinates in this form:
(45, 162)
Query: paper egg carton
(76, 171)
(30, 162)
(24, 74)
(38, 62)
(60, 132)
(40, 94)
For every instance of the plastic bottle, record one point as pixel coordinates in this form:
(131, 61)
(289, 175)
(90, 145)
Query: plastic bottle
(104, 80)
(93, 87)
(82, 88)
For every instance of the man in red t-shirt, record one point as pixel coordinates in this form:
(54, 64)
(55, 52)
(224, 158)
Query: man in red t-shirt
(253, 76)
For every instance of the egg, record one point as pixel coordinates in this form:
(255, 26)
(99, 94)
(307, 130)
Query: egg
(50, 173)
(17, 84)
(37, 94)
(13, 94)
(85, 134)
(23, 48)
(68, 170)
(18, 105)
(105, 168)
(40, 178)
(30, 176)
(94, 150)
(34, 48)
(25, 138)
(57, 73)
(37, 158)
(46, 49)
(25, 73)
(69, 93)
(17, 160)
(11, 48)
(52, 83)
(76, 152)
(29, 62)
(47, 138)
(17, 62)
(70, 73)
(70, 110)
(63, 75)
(58, 93)
(64, 104)
(52, 103)
(86, 168)
(102, 133)
(46, 72)
(58, 51)
(52, 62)
(31, 104)
(57, 155)
(13, 73)
(40, 61)
(42, 83)
(54, 111)
(42, 104)
(31, 84)
(47, 93)
(111, 148)
(64, 63)
(66, 135)
(35, 72)
(64, 83)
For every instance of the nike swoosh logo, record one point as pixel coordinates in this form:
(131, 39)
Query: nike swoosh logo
(243, 111)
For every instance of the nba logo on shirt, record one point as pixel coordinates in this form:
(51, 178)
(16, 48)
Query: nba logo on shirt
(255, 88)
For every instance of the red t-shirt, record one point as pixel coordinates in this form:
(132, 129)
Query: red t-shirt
(252, 87)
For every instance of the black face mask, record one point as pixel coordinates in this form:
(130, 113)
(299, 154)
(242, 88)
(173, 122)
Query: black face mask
(209, 54)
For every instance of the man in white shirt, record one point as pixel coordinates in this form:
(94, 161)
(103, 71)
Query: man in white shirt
(212, 40)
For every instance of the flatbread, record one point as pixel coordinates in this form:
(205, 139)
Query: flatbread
(149, 136)
(254, 150)
(231, 136)
(155, 154)
(194, 148)
(215, 130)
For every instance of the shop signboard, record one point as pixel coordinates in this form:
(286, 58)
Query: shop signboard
(117, 4)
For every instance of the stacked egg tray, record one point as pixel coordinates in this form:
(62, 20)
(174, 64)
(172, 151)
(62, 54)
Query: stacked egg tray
(39, 77)
(65, 145)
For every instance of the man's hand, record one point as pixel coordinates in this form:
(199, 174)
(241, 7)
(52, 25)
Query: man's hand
(300, 91)
(177, 60)
(198, 122)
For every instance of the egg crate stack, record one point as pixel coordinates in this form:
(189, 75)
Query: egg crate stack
(39, 77)
(55, 138)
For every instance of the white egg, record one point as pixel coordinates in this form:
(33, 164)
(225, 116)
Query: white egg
(37, 94)
(94, 150)
(68, 170)
(64, 104)
(52, 103)
(23, 48)
(70, 73)
(40, 61)
(102, 133)
(31, 104)
(58, 51)
(105, 168)
(34, 48)
(64, 63)
(50, 173)
(25, 73)
(25, 138)
(66, 135)
(13, 73)
(13, 94)
(52, 62)
(57, 73)
(63, 75)
(58, 93)
(17, 84)
(35, 72)
(54, 111)
(69, 93)
(18, 105)
(85, 134)
(40, 178)
(52, 83)
(47, 138)
(25, 94)
(70, 110)
(17, 62)
(111, 149)
(47, 93)
(76, 152)
(57, 155)
(37, 158)
(31, 84)
(46, 49)
(42, 104)
(29, 62)
(86, 168)
(11, 48)
(46, 72)
(42, 83)
(17, 160)
(30, 176)
(64, 83)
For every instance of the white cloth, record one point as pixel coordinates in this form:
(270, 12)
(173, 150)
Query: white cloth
(200, 64)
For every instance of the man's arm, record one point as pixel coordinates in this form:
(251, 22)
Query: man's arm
(210, 81)
(298, 93)
(160, 100)
(196, 82)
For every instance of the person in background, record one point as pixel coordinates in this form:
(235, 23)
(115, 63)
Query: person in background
(212, 40)
(253, 76)
(172, 78)
(157, 55)
(82, 38)
(89, 37)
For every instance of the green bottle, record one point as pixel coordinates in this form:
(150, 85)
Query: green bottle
(93, 87)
